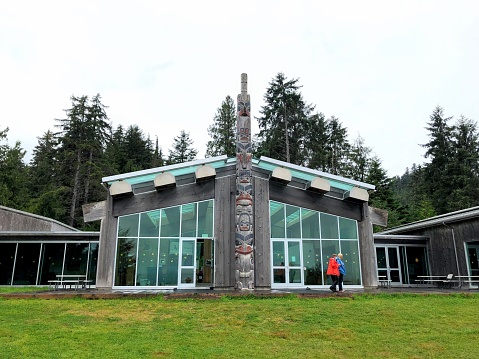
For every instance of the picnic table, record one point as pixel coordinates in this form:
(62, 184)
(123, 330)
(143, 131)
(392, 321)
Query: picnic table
(468, 279)
(384, 281)
(64, 280)
(440, 280)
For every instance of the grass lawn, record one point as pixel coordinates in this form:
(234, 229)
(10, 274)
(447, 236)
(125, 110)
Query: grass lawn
(361, 326)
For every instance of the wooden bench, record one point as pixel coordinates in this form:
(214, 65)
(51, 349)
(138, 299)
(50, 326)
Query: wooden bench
(384, 282)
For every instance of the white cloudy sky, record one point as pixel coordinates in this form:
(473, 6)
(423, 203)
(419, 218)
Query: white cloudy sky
(381, 67)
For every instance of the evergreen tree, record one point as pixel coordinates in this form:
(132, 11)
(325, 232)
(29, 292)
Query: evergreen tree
(464, 183)
(82, 141)
(440, 150)
(358, 161)
(158, 159)
(182, 150)
(337, 147)
(316, 143)
(284, 122)
(13, 174)
(223, 131)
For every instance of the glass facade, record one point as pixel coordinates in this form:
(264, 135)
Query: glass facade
(303, 241)
(35, 263)
(159, 248)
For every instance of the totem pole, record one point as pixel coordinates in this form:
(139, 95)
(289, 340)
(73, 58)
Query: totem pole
(244, 268)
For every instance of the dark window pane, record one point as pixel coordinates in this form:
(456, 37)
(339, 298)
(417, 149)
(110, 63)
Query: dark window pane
(51, 261)
(276, 212)
(147, 261)
(126, 262)
(350, 252)
(128, 226)
(329, 226)
(26, 266)
(312, 263)
(188, 220)
(92, 264)
(149, 222)
(293, 227)
(170, 222)
(310, 222)
(76, 258)
(7, 257)
(168, 263)
(205, 219)
(348, 228)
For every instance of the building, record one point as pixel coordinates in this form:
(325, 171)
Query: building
(233, 223)
(34, 249)
(439, 245)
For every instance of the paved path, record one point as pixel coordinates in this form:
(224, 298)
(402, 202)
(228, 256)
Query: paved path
(94, 293)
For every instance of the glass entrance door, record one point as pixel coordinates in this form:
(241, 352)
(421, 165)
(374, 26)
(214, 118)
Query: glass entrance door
(287, 263)
(204, 262)
(388, 264)
(187, 278)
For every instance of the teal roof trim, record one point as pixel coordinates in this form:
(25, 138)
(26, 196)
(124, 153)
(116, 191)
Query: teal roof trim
(308, 174)
(176, 170)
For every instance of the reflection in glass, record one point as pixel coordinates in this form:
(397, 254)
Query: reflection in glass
(168, 262)
(128, 226)
(26, 265)
(170, 222)
(147, 261)
(312, 262)
(126, 262)
(149, 224)
(76, 258)
(293, 220)
(310, 223)
(51, 261)
(7, 258)
(295, 275)
(348, 228)
(92, 263)
(277, 220)
(187, 275)
(329, 248)
(187, 253)
(350, 252)
(294, 254)
(329, 226)
(188, 220)
(278, 253)
(278, 275)
(205, 219)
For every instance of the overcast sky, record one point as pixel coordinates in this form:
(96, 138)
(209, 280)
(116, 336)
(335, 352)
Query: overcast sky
(381, 67)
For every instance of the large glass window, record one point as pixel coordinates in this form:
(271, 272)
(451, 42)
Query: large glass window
(126, 262)
(52, 261)
(147, 261)
(76, 258)
(311, 237)
(26, 265)
(151, 257)
(93, 262)
(7, 258)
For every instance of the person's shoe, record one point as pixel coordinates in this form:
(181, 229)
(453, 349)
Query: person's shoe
(341, 291)
(332, 289)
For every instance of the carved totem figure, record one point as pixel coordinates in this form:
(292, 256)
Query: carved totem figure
(244, 240)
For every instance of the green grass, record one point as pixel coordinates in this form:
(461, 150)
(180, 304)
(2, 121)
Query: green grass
(361, 326)
(15, 289)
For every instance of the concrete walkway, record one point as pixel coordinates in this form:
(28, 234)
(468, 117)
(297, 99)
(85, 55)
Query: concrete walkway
(95, 293)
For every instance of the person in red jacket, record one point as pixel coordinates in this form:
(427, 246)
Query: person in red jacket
(333, 272)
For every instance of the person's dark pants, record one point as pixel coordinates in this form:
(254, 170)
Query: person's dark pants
(335, 279)
(340, 281)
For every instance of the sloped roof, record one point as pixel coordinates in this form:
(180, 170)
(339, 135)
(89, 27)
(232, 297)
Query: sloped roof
(264, 163)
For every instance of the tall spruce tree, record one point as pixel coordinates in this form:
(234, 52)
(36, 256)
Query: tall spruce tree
(440, 150)
(317, 142)
(283, 122)
(82, 141)
(223, 131)
(464, 182)
(337, 147)
(182, 150)
(13, 174)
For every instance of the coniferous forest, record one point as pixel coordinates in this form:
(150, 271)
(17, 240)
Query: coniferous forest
(68, 163)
